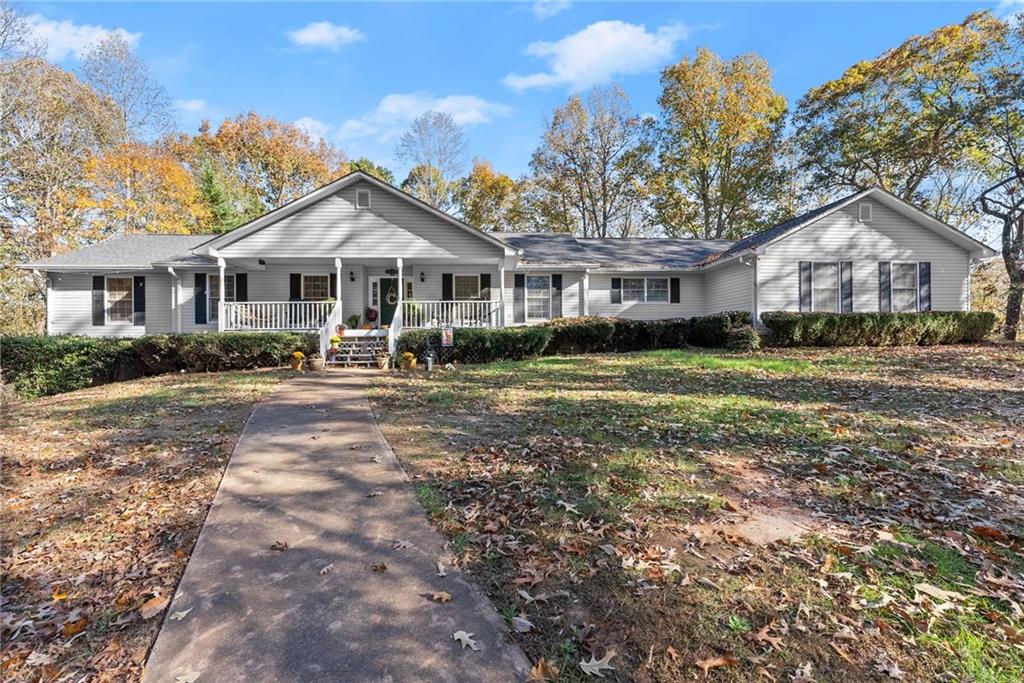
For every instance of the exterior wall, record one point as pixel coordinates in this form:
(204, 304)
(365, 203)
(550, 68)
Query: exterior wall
(728, 288)
(392, 227)
(691, 298)
(572, 293)
(842, 237)
(69, 308)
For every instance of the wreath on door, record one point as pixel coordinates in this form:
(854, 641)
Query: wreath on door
(391, 297)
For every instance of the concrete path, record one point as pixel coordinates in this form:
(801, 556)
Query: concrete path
(312, 470)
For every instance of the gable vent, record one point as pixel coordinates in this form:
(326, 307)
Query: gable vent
(362, 199)
(865, 212)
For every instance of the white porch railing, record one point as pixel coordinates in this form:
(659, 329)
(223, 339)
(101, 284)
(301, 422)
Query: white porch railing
(451, 313)
(329, 329)
(276, 315)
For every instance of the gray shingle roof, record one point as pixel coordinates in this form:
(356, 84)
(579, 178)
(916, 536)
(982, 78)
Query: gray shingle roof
(562, 249)
(131, 251)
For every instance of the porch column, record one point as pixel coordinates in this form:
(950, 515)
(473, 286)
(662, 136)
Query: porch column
(401, 290)
(220, 302)
(585, 299)
(501, 292)
(337, 285)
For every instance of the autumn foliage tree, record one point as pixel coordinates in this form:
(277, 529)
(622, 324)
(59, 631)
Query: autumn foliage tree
(490, 200)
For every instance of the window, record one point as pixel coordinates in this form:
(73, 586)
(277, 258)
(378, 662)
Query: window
(362, 199)
(538, 297)
(119, 300)
(641, 290)
(213, 294)
(865, 212)
(904, 287)
(316, 287)
(825, 287)
(466, 287)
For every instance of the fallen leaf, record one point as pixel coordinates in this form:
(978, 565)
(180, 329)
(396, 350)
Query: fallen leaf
(522, 625)
(190, 677)
(380, 567)
(441, 596)
(597, 667)
(178, 616)
(990, 534)
(327, 569)
(568, 507)
(401, 545)
(154, 606)
(707, 665)
(76, 626)
(763, 637)
(466, 639)
(543, 670)
(374, 494)
(440, 570)
(39, 659)
(936, 592)
(279, 546)
(803, 674)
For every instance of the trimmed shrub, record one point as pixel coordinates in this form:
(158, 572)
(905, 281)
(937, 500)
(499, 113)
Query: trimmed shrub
(712, 331)
(37, 365)
(477, 344)
(877, 329)
(579, 335)
(743, 338)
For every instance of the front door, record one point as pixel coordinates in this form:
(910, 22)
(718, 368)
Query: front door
(388, 299)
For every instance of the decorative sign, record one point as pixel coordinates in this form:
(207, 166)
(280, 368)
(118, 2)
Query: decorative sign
(448, 336)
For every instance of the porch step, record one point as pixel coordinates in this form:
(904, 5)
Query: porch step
(359, 351)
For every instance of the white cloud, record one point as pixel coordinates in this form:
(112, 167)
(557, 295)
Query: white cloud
(195, 106)
(314, 128)
(324, 34)
(393, 114)
(1007, 8)
(65, 38)
(597, 53)
(545, 9)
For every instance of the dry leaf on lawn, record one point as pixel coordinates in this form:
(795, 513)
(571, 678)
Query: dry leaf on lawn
(522, 625)
(279, 546)
(707, 665)
(441, 596)
(543, 670)
(597, 667)
(466, 639)
(154, 606)
(936, 592)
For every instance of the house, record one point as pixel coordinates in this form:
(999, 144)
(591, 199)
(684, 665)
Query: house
(359, 248)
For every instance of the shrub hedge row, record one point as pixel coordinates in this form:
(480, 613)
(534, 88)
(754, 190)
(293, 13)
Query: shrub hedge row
(477, 344)
(587, 335)
(41, 366)
(877, 329)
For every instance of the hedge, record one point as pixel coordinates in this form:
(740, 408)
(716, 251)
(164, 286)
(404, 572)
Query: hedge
(477, 344)
(877, 329)
(41, 366)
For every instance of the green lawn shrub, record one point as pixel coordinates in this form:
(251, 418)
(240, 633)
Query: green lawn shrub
(877, 329)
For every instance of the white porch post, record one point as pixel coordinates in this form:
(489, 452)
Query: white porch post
(175, 313)
(401, 288)
(337, 285)
(585, 302)
(220, 302)
(501, 292)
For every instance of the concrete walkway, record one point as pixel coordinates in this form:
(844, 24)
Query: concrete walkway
(312, 470)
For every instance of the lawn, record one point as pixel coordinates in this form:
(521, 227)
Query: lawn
(805, 515)
(105, 490)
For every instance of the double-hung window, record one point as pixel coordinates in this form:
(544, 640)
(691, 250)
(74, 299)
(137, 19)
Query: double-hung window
(119, 300)
(538, 297)
(316, 287)
(904, 287)
(466, 287)
(214, 294)
(645, 290)
(825, 287)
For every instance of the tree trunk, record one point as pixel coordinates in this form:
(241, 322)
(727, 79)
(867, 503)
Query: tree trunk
(1013, 306)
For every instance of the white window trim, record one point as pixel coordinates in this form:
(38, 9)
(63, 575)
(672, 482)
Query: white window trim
(210, 294)
(369, 200)
(464, 275)
(861, 206)
(668, 290)
(302, 287)
(526, 296)
(839, 285)
(917, 285)
(106, 299)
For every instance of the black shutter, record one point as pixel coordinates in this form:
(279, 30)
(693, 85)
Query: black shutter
(485, 286)
(519, 298)
(846, 286)
(885, 287)
(805, 286)
(556, 295)
(447, 288)
(924, 286)
(616, 290)
(673, 290)
(242, 287)
(98, 314)
(199, 298)
(139, 300)
(295, 287)
(333, 294)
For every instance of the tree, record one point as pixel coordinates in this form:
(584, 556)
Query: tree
(140, 188)
(366, 166)
(719, 174)
(902, 119)
(489, 200)
(433, 141)
(589, 167)
(113, 69)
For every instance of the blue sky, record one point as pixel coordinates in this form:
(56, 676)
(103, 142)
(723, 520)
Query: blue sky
(358, 73)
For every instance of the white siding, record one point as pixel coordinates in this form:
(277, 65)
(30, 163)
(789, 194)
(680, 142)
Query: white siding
(392, 227)
(572, 293)
(729, 288)
(69, 308)
(842, 237)
(691, 298)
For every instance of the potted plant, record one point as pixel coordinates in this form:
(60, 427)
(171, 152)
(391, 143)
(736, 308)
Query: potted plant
(408, 361)
(297, 359)
(353, 321)
(316, 363)
(371, 315)
(383, 360)
(335, 342)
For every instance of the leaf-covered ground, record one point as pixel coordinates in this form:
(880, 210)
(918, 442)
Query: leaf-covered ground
(797, 515)
(104, 492)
